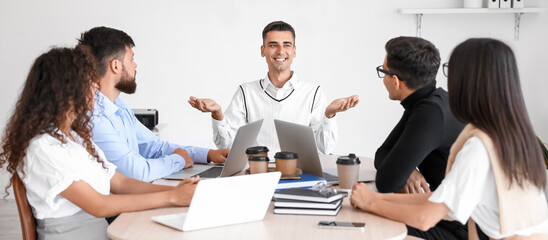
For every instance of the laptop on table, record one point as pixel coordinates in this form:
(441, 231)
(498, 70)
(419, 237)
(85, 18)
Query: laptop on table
(300, 139)
(225, 201)
(235, 162)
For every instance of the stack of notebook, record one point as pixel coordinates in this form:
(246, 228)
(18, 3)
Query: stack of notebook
(307, 202)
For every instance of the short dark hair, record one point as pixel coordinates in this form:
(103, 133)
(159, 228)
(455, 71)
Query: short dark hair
(106, 44)
(278, 26)
(484, 90)
(415, 60)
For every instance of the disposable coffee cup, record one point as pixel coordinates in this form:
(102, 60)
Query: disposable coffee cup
(257, 151)
(286, 162)
(258, 164)
(348, 169)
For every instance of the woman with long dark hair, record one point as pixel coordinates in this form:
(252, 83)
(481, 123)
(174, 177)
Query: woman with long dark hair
(495, 172)
(47, 143)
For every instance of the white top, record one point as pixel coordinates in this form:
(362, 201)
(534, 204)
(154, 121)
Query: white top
(51, 167)
(469, 190)
(296, 102)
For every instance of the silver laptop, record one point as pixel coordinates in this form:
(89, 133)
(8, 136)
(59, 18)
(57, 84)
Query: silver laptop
(235, 162)
(225, 201)
(300, 139)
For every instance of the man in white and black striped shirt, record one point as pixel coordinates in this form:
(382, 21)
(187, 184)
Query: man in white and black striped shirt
(280, 95)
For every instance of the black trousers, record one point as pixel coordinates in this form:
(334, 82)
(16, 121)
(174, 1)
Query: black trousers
(111, 219)
(447, 230)
(451, 230)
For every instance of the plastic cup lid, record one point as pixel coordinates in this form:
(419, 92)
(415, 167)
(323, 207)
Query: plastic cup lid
(351, 159)
(259, 158)
(286, 155)
(256, 150)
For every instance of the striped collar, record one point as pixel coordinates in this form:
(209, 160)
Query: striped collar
(279, 94)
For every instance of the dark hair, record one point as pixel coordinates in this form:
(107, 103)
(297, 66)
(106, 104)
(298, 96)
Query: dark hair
(278, 26)
(415, 60)
(59, 81)
(484, 90)
(106, 44)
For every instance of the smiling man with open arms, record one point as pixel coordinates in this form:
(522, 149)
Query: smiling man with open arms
(280, 95)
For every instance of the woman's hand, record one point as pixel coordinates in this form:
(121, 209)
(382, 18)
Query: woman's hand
(182, 194)
(362, 197)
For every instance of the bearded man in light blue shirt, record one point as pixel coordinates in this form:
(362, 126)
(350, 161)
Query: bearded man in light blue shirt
(126, 142)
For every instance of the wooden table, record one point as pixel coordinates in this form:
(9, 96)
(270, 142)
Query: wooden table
(138, 225)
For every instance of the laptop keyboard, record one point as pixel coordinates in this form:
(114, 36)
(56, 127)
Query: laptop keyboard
(330, 177)
(212, 172)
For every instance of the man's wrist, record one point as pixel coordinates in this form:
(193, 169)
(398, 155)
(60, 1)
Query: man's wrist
(330, 115)
(217, 115)
(208, 158)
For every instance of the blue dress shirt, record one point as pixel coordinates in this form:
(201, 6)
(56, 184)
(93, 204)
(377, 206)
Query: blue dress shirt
(136, 150)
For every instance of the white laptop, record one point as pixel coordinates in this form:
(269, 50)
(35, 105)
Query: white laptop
(235, 162)
(225, 201)
(300, 139)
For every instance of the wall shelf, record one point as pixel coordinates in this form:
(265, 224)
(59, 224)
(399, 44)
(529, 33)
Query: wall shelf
(518, 12)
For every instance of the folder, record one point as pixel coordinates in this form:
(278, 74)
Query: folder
(517, 3)
(493, 3)
(505, 3)
(303, 194)
(306, 181)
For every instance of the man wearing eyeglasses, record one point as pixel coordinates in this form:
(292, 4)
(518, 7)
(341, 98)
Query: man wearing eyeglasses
(413, 157)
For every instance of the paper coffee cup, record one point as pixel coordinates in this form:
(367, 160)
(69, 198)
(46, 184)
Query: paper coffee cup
(286, 162)
(348, 169)
(258, 164)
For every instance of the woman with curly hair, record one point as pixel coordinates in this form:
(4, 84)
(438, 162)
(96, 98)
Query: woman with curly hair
(47, 143)
(495, 173)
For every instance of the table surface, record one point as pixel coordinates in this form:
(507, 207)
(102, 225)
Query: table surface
(138, 225)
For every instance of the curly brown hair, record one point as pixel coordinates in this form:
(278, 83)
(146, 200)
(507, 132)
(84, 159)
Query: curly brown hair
(59, 82)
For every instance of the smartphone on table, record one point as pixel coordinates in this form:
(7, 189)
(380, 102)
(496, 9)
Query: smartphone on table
(344, 225)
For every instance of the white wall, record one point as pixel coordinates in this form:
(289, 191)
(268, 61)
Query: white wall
(207, 48)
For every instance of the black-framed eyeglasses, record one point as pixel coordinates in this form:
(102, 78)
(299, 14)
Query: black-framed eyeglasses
(445, 68)
(381, 73)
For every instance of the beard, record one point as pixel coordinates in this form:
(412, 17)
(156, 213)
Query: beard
(126, 84)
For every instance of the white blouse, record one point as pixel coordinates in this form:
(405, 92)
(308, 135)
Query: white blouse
(51, 167)
(469, 190)
(297, 102)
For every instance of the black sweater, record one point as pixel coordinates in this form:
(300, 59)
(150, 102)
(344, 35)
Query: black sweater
(422, 138)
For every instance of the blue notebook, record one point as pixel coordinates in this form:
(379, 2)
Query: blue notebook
(306, 181)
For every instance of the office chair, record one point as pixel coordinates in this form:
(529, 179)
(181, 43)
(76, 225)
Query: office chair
(28, 222)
